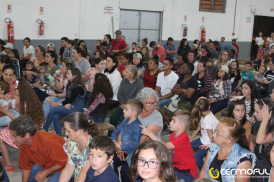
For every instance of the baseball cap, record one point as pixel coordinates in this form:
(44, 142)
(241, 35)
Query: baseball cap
(224, 68)
(9, 46)
(118, 32)
(50, 44)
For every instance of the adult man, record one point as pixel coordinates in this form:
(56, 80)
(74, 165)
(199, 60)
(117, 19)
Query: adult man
(107, 38)
(118, 45)
(223, 39)
(165, 83)
(186, 88)
(210, 67)
(68, 50)
(8, 47)
(158, 50)
(225, 46)
(41, 153)
(104, 49)
(214, 53)
(170, 48)
(63, 46)
(235, 45)
(181, 59)
(133, 47)
(267, 47)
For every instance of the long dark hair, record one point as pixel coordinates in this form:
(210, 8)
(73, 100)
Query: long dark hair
(5, 59)
(103, 86)
(166, 168)
(79, 51)
(236, 132)
(232, 104)
(270, 103)
(77, 80)
(254, 95)
(182, 43)
(155, 59)
(16, 53)
(114, 60)
(53, 55)
(78, 121)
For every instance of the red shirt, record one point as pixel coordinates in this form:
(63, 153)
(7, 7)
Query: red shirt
(182, 155)
(107, 53)
(160, 51)
(46, 150)
(150, 80)
(237, 47)
(118, 45)
(121, 68)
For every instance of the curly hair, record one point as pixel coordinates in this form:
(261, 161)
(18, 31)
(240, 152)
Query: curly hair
(103, 86)
(30, 105)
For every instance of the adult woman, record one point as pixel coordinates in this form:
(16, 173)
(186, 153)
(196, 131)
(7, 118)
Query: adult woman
(85, 52)
(8, 77)
(107, 38)
(151, 73)
(27, 103)
(220, 90)
(74, 102)
(263, 128)
(55, 98)
(259, 40)
(144, 42)
(51, 47)
(251, 95)
(80, 131)
(204, 80)
(4, 59)
(191, 57)
(14, 54)
(271, 38)
(229, 152)
(81, 63)
(184, 47)
(138, 59)
(40, 54)
(114, 77)
(28, 53)
(145, 52)
(223, 59)
(128, 89)
(126, 59)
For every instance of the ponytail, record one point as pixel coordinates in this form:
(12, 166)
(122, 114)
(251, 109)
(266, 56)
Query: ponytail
(200, 106)
(92, 128)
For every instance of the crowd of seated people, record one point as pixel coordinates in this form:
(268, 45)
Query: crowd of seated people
(178, 90)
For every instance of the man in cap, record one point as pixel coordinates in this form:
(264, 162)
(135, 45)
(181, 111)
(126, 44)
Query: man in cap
(118, 45)
(170, 48)
(8, 47)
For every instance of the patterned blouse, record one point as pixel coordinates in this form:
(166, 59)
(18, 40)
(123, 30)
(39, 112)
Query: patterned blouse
(79, 160)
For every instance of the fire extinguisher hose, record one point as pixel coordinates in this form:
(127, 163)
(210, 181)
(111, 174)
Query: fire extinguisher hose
(7, 20)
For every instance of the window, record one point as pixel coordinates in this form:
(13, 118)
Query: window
(217, 6)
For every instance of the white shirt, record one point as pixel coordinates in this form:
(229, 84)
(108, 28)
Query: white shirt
(270, 40)
(195, 68)
(260, 40)
(208, 122)
(167, 83)
(29, 50)
(115, 80)
(219, 90)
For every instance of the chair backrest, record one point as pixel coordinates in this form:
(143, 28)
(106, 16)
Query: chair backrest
(16, 61)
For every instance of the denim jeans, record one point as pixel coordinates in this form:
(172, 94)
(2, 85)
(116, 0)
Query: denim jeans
(5, 119)
(124, 169)
(218, 106)
(97, 120)
(200, 154)
(54, 116)
(46, 104)
(184, 176)
(164, 102)
(35, 169)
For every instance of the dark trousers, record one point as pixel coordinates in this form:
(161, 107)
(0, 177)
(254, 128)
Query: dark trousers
(124, 169)
(218, 106)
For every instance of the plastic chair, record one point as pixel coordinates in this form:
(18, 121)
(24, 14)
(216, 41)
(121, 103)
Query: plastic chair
(16, 61)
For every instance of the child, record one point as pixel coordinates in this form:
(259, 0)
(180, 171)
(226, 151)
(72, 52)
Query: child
(126, 59)
(74, 102)
(133, 47)
(101, 98)
(258, 78)
(41, 81)
(203, 50)
(138, 49)
(234, 73)
(202, 120)
(260, 56)
(179, 145)
(101, 151)
(130, 134)
(246, 74)
(151, 161)
(236, 110)
(98, 46)
(30, 70)
(5, 88)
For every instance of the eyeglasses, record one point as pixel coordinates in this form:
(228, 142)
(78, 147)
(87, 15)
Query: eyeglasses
(184, 68)
(36, 50)
(218, 135)
(150, 164)
(151, 103)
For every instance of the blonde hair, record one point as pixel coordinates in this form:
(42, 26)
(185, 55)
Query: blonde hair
(200, 106)
(220, 59)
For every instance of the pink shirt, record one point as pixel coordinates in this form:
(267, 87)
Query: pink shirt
(204, 54)
(160, 51)
(91, 74)
(10, 93)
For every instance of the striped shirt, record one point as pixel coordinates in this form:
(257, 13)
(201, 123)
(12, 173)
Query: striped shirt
(204, 85)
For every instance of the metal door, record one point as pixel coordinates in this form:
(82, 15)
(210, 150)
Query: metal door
(136, 25)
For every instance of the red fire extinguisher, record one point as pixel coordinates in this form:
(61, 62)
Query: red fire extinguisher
(41, 27)
(185, 30)
(203, 34)
(10, 30)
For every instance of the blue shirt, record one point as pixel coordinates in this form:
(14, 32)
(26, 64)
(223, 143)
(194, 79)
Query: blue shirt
(248, 76)
(227, 47)
(107, 175)
(129, 132)
(33, 77)
(169, 48)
